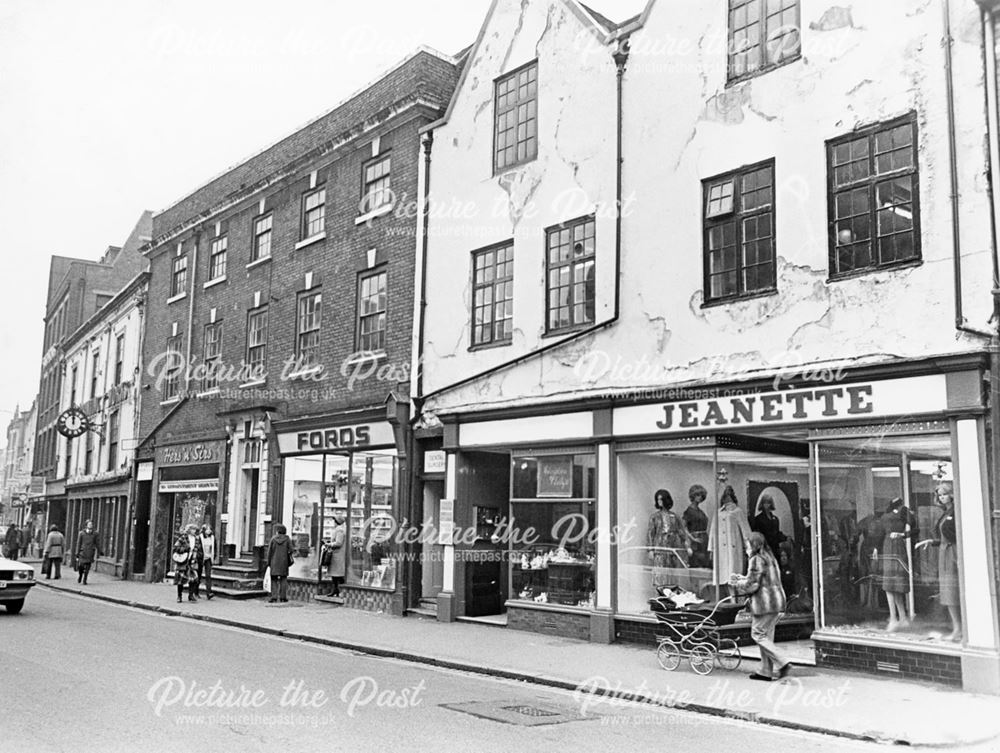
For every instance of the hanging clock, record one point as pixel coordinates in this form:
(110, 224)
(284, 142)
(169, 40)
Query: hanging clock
(72, 423)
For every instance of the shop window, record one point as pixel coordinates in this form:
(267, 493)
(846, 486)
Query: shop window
(570, 274)
(874, 206)
(553, 520)
(887, 537)
(684, 515)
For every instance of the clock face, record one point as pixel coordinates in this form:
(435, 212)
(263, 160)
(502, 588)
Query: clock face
(72, 423)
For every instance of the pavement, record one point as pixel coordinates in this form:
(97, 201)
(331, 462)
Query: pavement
(842, 704)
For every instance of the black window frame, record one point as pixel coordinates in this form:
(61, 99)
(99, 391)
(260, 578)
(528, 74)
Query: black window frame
(365, 205)
(257, 234)
(321, 207)
(569, 226)
(530, 101)
(359, 335)
(299, 333)
(262, 346)
(492, 285)
(218, 249)
(871, 182)
(737, 215)
(764, 64)
(178, 275)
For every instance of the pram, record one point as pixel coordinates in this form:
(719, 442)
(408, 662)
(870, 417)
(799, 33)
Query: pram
(695, 635)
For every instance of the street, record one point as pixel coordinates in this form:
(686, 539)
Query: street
(82, 675)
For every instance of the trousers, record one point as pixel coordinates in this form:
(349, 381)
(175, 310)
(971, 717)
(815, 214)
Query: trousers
(762, 633)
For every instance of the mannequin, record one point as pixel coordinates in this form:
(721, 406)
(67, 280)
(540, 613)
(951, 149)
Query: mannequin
(729, 530)
(767, 523)
(897, 526)
(945, 539)
(666, 534)
(696, 522)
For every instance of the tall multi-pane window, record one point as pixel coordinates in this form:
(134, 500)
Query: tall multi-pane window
(515, 134)
(217, 258)
(874, 207)
(493, 295)
(371, 312)
(72, 387)
(308, 327)
(313, 213)
(172, 375)
(261, 248)
(212, 356)
(763, 34)
(114, 428)
(178, 280)
(88, 458)
(376, 189)
(95, 363)
(119, 357)
(570, 273)
(257, 341)
(739, 233)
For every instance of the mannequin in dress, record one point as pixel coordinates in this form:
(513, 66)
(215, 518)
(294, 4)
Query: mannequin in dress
(767, 523)
(696, 522)
(897, 526)
(666, 534)
(729, 530)
(945, 539)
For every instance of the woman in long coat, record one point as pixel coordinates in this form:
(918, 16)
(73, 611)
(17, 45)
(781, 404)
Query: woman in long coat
(52, 552)
(279, 559)
(186, 557)
(88, 549)
(337, 552)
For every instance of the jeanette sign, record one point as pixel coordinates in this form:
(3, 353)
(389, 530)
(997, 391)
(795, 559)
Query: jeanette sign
(352, 437)
(837, 402)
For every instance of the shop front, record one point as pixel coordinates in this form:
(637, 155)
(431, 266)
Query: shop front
(106, 505)
(872, 493)
(341, 483)
(187, 489)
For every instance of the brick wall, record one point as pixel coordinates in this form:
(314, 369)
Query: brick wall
(562, 624)
(893, 662)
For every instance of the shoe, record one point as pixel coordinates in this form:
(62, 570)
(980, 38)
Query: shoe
(783, 672)
(57, 577)
(282, 599)
(762, 678)
(209, 596)
(271, 601)
(179, 599)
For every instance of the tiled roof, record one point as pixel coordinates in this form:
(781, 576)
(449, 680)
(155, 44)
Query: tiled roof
(425, 76)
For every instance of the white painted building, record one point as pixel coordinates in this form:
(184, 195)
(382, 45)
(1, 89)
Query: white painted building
(796, 305)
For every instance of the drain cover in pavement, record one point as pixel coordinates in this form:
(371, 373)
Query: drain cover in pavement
(525, 714)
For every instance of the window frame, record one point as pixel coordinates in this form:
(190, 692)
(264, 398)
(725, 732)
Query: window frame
(737, 214)
(568, 225)
(119, 357)
(114, 435)
(475, 287)
(255, 312)
(95, 362)
(218, 248)
(870, 132)
(369, 274)
(257, 234)
(299, 333)
(171, 382)
(212, 335)
(178, 274)
(764, 65)
(497, 113)
(321, 207)
(365, 206)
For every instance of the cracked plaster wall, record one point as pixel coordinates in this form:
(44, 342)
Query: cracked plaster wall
(862, 63)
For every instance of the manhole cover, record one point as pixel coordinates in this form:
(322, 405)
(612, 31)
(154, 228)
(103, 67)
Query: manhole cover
(519, 712)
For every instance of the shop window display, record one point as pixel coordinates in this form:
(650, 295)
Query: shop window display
(551, 533)
(888, 537)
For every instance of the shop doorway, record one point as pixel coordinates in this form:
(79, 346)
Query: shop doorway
(483, 509)
(250, 489)
(140, 543)
(432, 553)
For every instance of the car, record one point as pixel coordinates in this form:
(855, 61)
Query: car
(16, 579)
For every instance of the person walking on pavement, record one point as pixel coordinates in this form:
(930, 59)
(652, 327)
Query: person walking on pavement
(88, 549)
(767, 603)
(279, 559)
(26, 541)
(186, 559)
(52, 552)
(12, 542)
(336, 553)
(208, 556)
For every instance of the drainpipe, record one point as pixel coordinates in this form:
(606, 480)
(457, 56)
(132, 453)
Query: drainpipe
(418, 365)
(620, 57)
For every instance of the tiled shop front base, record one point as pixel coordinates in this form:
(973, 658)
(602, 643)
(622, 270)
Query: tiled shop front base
(563, 624)
(891, 661)
(644, 632)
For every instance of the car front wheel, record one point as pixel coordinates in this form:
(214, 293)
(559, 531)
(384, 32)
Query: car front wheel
(14, 607)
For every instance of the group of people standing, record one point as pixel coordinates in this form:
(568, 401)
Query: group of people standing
(193, 554)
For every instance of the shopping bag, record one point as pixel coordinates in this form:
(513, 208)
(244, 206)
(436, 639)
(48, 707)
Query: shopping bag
(267, 579)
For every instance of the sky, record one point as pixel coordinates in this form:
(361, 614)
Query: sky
(111, 107)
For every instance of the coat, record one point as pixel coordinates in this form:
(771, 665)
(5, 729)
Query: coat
(88, 547)
(187, 570)
(279, 555)
(763, 583)
(12, 539)
(338, 553)
(207, 547)
(54, 544)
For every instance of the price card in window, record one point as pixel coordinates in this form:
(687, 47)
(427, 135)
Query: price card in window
(446, 522)
(555, 476)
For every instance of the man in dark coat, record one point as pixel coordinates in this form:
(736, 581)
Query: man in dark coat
(88, 549)
(12, 542)
(279, 559)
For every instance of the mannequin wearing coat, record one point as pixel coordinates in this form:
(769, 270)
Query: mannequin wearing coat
(730, 529)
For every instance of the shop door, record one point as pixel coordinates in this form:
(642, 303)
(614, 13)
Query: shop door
(250, 486)
(140, 544)
(432, 561)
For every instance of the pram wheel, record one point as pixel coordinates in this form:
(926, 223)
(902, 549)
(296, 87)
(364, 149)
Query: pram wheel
(729, 656)
(702, 659)
(668, 656)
